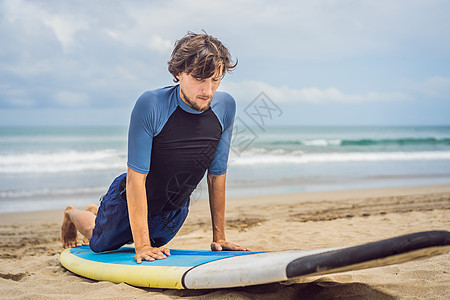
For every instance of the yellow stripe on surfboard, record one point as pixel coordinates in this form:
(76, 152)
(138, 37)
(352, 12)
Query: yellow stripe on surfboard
(137, 275)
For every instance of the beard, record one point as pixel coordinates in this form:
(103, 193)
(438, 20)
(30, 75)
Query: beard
(193, 104)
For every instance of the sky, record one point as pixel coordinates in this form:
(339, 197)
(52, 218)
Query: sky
(318, 62)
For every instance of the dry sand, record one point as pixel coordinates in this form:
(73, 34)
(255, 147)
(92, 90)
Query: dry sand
(29, 246)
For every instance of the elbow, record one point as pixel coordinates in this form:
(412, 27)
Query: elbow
(212, 178)
(135, 179)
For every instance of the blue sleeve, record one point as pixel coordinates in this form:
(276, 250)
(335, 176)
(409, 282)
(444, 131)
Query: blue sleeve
(141, 133)
(226, 111)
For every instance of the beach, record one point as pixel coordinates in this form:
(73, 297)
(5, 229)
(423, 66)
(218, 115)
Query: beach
(325, 123)
(30, 246)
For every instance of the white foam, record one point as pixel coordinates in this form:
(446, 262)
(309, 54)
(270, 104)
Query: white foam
(50, 192)
(321, 142)
(256, 158)
(79, 161)
(59, 139)
(67, 161)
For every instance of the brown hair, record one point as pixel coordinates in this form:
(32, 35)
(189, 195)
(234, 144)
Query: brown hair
(200, 55)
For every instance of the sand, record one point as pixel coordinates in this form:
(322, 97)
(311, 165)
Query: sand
(30, 247)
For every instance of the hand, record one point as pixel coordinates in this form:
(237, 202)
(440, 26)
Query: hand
(149, 253)
(224, 245)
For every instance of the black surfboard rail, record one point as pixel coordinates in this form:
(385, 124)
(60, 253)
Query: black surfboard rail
(335, 259)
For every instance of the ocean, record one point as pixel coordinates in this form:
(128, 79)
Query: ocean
(50, 167)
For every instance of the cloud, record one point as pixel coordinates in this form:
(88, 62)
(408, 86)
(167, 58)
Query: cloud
(247, 90)
(436, 87)
(63, 54)
(71, 99)
(15, 98)
(31, 15)
(160, 44)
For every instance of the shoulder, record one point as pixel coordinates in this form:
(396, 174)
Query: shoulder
(223, 99)
(156, 99)
(153, 108)
(224, 106)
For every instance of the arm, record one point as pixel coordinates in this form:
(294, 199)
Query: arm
(216, 188)
(137, 211)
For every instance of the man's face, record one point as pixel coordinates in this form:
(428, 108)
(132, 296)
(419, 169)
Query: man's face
(196, 92)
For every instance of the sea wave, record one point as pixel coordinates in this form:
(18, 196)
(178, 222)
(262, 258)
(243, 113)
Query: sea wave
(78, 161)
(258, 157)
(363, 142)
(59, 139)
(67, 161)
(400, 141)
(44, 193)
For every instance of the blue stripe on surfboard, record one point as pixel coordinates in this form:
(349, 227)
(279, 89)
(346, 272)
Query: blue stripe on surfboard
(177, 258)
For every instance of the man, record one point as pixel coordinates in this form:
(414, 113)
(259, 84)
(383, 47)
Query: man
(176, 133)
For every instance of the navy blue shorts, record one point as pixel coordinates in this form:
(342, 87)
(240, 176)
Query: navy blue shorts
(112, 226)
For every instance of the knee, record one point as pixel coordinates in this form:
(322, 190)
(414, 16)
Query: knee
(96, 246)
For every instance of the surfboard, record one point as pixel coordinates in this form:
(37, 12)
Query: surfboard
(201, 269)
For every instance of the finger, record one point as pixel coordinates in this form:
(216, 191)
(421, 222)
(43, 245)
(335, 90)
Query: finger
(229, 246)
(243, 249)
(216, 247)
(148, 258)
(159, 255)
(235, 247)
(155, 255)
(238, 248)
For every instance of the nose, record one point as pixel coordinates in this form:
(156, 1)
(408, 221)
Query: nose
(207, 87)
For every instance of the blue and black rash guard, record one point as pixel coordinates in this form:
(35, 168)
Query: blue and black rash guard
(175, 144)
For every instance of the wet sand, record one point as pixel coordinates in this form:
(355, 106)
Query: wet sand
(30, 247)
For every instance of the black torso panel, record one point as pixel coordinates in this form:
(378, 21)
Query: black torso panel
(181, 153)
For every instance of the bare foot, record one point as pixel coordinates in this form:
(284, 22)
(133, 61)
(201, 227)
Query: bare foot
(69, 233)
(93, 209)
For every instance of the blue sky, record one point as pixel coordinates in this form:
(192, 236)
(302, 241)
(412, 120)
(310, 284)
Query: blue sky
(322, 62)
